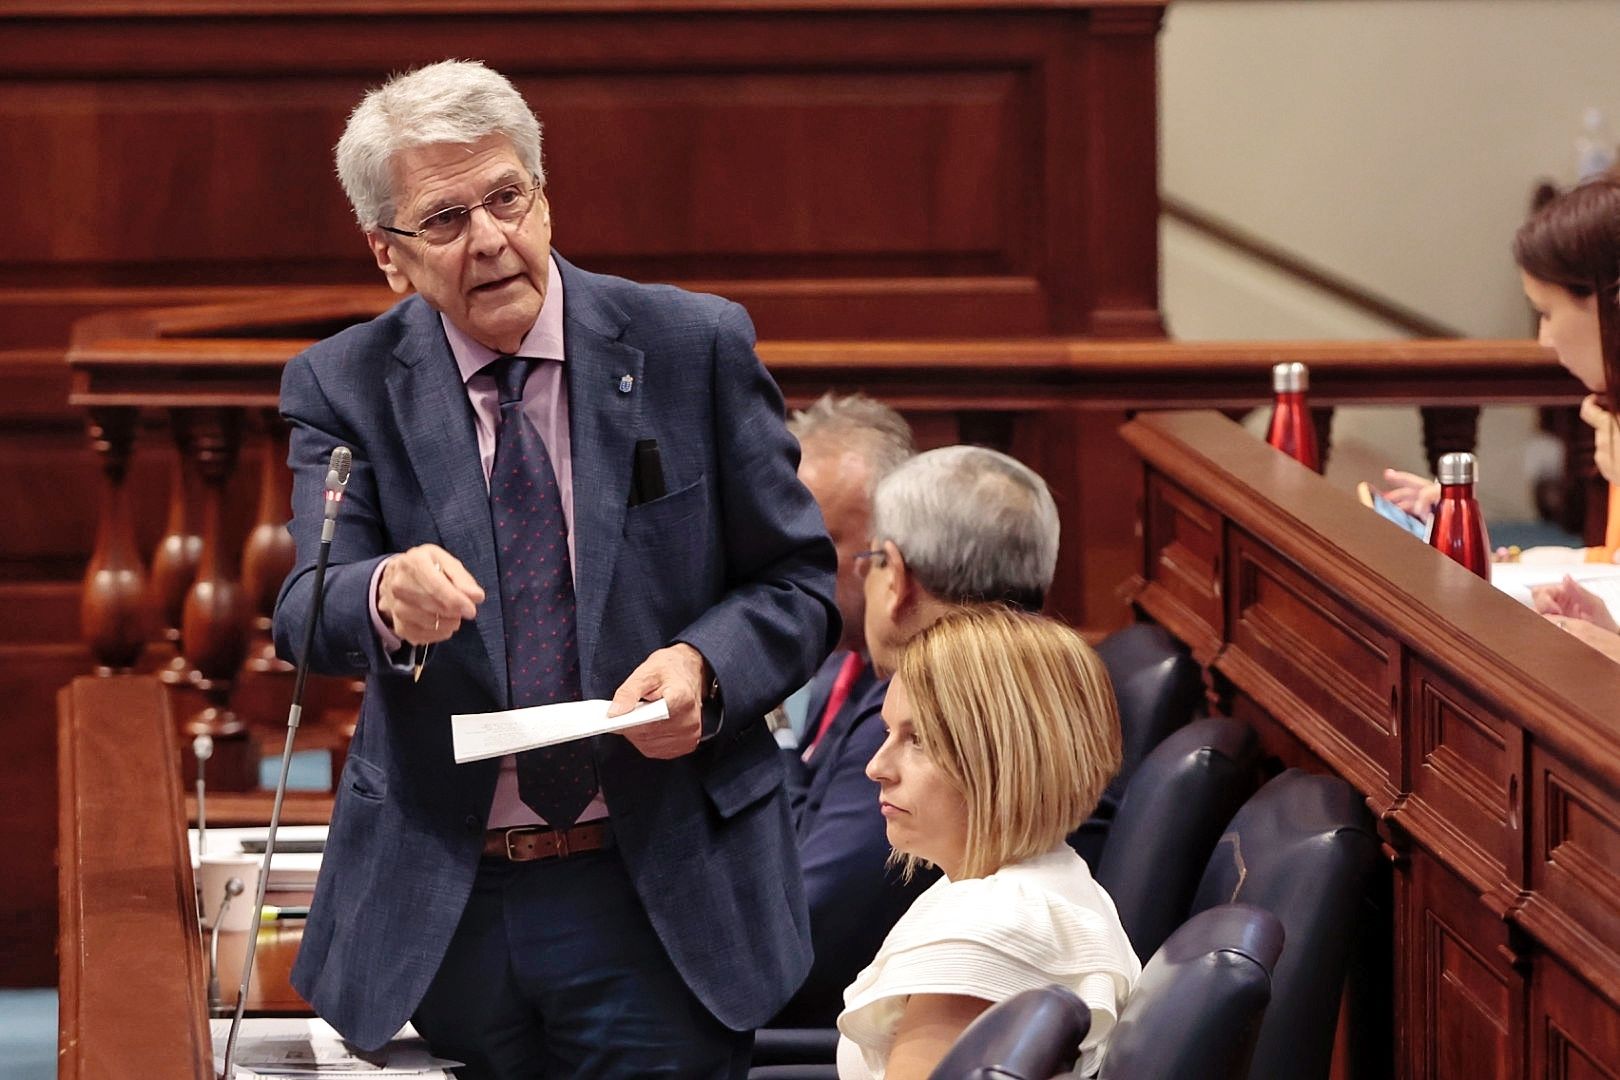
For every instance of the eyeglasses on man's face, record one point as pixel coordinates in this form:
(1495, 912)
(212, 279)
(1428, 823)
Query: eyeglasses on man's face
(865, 560)
(507, 204)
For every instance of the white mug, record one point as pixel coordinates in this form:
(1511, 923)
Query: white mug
(212, 876)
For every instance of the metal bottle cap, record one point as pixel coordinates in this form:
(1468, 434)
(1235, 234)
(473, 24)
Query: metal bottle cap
(1289, 378)
(1458, 468)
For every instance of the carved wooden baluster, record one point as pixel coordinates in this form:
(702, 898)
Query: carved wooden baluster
(214, 624)
(1447, 428)
(112, 612)
(983, 427)
(174, 562)
(267, 557)
(1322, 421)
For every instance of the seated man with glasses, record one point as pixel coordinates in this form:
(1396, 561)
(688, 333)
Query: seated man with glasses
(952, 528)
(565, 486)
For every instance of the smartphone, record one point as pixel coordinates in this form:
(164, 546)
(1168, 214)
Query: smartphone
(1388, 510)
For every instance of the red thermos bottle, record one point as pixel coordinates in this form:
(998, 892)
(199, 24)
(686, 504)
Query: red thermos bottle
(1459, 527)
(1291, 429)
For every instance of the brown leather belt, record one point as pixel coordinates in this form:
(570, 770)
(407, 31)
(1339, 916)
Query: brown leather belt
(535, 842)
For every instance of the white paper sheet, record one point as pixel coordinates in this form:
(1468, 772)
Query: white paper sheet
(288, 870)
(1517, 579)
(476, 736)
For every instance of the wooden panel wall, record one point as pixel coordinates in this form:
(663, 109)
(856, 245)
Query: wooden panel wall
(847, 169)
(883, 169)
(1481, 736)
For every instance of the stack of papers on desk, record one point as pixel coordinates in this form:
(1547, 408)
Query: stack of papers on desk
(289, 871)
(274, 1047)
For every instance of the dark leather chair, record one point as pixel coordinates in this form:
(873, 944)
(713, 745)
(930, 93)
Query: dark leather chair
(794, 1054)
(1174, 811)
(1197, 1009)
(1158, 687)
(1034, 1035)
(1301, 848)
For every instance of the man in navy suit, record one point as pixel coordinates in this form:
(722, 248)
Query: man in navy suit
(847, 446)
(564, 486)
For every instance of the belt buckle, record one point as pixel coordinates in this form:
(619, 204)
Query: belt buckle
(512, 855)
(560, 848)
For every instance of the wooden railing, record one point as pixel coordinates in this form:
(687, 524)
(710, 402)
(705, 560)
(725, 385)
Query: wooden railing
(134, 998)
(133, 982)
(197, 608)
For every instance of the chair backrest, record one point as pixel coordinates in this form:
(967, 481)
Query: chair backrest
(1158, 686)
(1174, 810)
(1033, 1035)
(1301, 848)
(1198, 1006)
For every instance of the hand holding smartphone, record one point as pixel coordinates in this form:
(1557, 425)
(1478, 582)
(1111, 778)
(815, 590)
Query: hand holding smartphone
(1385, 509)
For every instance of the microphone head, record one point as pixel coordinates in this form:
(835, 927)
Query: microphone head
(337, 478)
(202, 747)
(234, 886)
(337, 473)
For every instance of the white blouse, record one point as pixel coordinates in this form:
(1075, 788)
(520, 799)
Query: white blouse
(1028, 925)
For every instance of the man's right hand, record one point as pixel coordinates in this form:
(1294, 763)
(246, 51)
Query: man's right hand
(425, 594)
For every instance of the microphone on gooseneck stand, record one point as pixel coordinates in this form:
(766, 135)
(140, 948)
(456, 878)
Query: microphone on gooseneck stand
(337, 478)
(202, 748)
(233, 888)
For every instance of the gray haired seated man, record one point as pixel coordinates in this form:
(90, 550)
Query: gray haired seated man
(952, 527)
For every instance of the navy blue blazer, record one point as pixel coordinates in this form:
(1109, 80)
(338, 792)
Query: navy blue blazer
(799, 773)
(855, 898)
(733, 560)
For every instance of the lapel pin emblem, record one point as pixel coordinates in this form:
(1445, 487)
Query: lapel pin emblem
(626, 382)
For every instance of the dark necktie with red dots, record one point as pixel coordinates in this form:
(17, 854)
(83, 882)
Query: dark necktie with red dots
(537, 599)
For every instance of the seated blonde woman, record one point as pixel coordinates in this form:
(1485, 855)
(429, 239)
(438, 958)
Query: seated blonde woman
(1002, 735)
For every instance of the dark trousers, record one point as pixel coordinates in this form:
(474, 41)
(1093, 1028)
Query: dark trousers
(554, 972)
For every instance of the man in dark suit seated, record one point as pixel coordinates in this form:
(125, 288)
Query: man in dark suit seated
(847, 446)
(951, 527)
(565, 486)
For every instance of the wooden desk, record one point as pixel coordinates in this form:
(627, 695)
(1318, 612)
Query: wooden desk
(133, 973)
(1483, 738)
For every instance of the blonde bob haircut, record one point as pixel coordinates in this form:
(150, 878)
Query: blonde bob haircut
(1017, 711)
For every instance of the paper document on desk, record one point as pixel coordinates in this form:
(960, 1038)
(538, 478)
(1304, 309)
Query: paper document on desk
(1517, 579)
(289, 869)
(476, 736)
(311, 1048)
